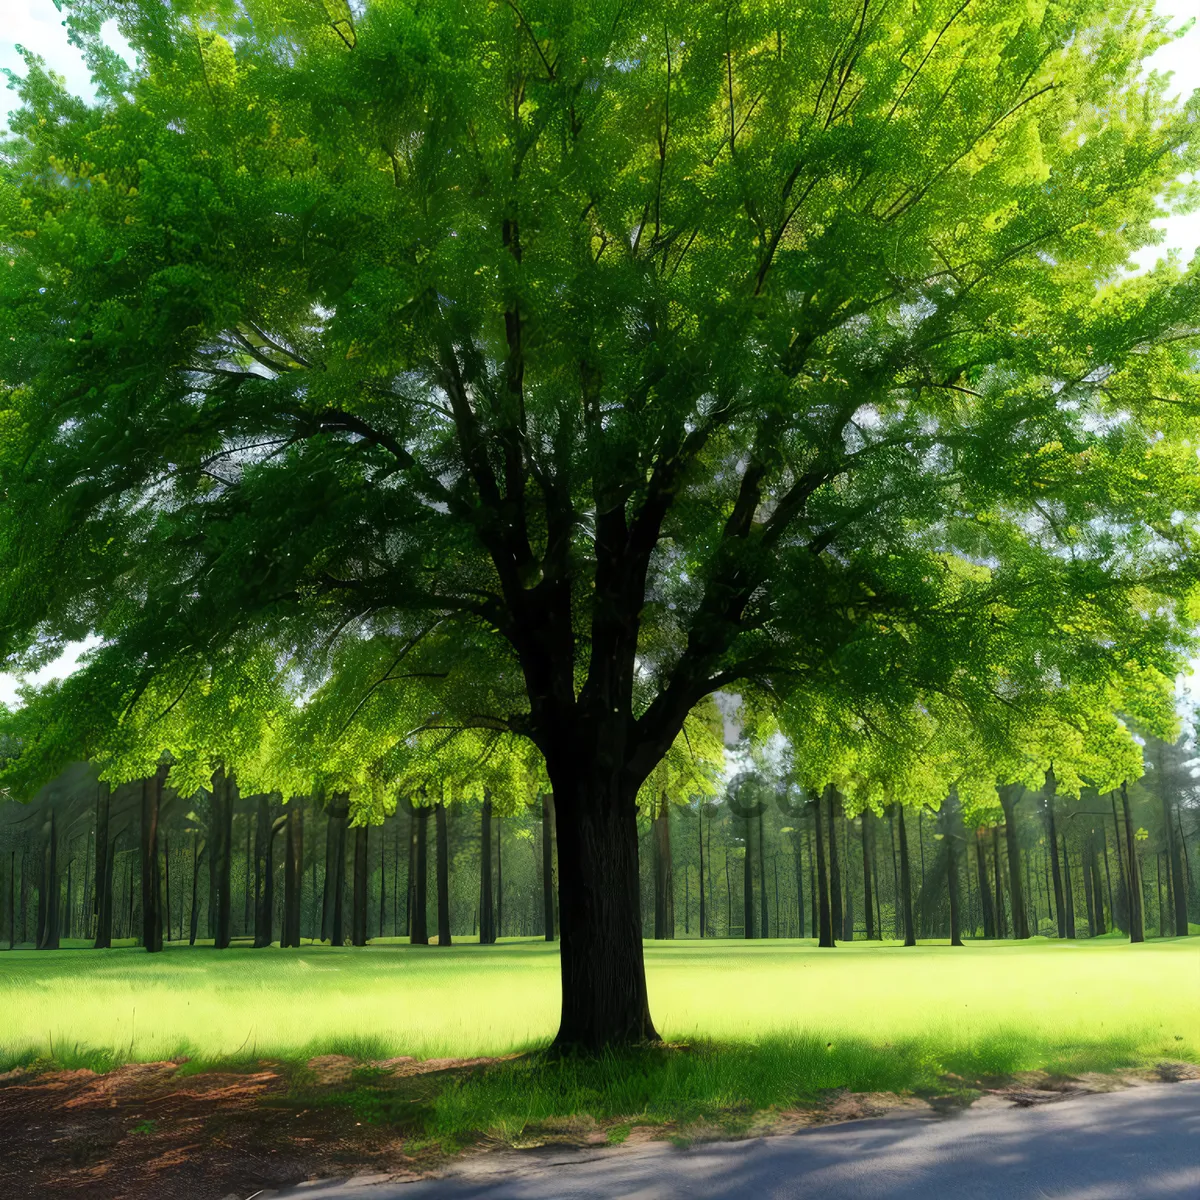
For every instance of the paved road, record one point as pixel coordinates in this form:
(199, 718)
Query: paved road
(1140, 1144)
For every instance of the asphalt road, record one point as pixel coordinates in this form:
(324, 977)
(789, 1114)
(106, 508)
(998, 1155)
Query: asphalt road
(1139, 1144)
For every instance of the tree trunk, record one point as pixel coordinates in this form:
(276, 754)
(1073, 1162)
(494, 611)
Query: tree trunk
(897, 915)
(1112, 908)
(548, 921)
(220, 898)
(797, 852)
(152, 922)
(985, 887)
(1089, 896)
(866, 855)
(333, 900)
(835, 873)
(487, 914)
(664, 872)
(1070, 890)
(824, 914)
(1097, 886)
(194, 918)
(749, 924)
(1060, 908)
(48, 915)
(1016, 890)
(293, 876)
(910, 937)
(604, 1000)
(102, 891)
(1175, 867)
(764, 921)
(382, 878)
(443, 875)
(264, 875)
(358, 907)
(420, 926)
(953, 835)
(1121, 918)
(700, 832)
(998, 880)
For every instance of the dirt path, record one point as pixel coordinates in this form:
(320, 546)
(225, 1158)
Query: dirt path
(158, 1130)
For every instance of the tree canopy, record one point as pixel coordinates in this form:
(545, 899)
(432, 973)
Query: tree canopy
(637, 349)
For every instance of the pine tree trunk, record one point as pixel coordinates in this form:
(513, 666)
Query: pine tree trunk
(1137, 920)
(48, 915)
(824, 913)
(897, 907)
(487, 915)
(358, 907)
(1175, 867)
(293, 876)
(102, 890)
(443, 876)
(333, 900)
(264, 916)
(998, 880)
(664, 872)
(764, 922)
(910, 937)
(604, 1000)
(1097, 886)
(1089, 897)
(985, 887)
(1016, 890)
(953, 827)
(1060, 908)
(866, 855)
(152, 923)
(1070, 890)
(835, 874)
(548, 921)
(797, 848)
(220, 899)
(194, 918)
(1121, 915)
(420, 926)
(749, 924)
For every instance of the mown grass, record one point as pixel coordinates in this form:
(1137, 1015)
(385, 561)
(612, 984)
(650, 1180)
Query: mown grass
(753, 1026)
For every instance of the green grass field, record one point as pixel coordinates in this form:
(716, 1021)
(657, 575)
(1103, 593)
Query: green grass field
(1018, 1002)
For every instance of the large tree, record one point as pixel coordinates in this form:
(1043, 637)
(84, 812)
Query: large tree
(645, 346)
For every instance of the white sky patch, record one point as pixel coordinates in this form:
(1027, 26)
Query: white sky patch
(38, 26)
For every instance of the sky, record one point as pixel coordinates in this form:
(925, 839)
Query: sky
(37, 26)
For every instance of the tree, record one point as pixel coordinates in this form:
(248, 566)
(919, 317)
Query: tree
(648, 347)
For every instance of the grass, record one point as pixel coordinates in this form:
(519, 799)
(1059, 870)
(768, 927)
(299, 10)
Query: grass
(1041, 997)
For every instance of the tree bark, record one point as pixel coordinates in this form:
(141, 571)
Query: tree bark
(548, 921)
(333, 900)
(293, 876)
(835, 874)
(797, 852)
(1070, 890)
(749, 910)
(358, 908)
(866, 856)
(824, 914)
(1175, 867)
(264, 874)
(664, 872)
(152, 917)
(443, 875)
(1055, 868)
(1137, 920)
(953, 836)
(604, 999)
(1097, 886)
(700, 834)
(220, 899)
(48, 915)
(998, 879)
(420, 927)
(985, 887)
(102, 891)
(487, 913)
(1016, 889)
(910, 937)
(1089, 896)
(194, 916)
(764, 921)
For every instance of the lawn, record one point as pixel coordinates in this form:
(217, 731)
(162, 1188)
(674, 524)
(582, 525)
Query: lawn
(1020, 1005)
